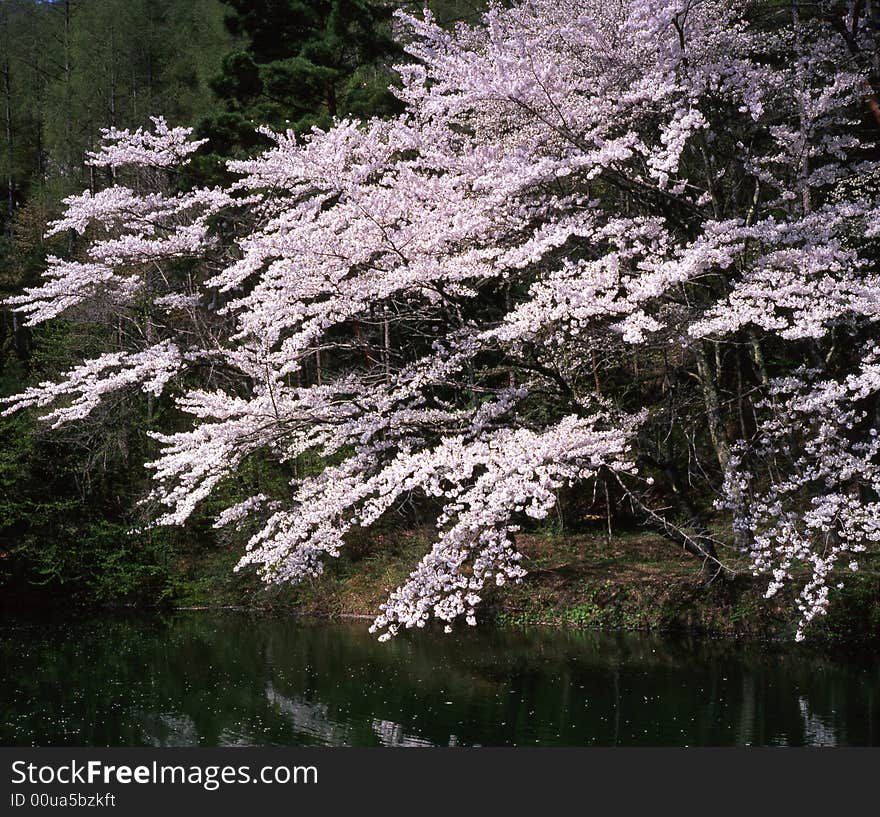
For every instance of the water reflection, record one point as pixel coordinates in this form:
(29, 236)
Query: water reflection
(228, 679)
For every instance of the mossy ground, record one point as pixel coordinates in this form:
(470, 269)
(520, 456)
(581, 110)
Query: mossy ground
(630, 581)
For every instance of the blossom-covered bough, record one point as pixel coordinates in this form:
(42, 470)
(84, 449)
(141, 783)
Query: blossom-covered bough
(445, 304)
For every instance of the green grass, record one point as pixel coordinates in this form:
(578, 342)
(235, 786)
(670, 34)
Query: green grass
(633, 581)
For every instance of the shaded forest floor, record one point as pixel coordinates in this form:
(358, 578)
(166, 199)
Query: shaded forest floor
(633, 581)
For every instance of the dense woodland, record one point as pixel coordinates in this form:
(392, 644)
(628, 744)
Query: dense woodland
(617, 262)
(69, 69)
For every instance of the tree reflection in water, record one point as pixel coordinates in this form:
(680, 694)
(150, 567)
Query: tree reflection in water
(230, 679)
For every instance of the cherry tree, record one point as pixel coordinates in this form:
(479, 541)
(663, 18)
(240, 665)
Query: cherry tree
(431, 304)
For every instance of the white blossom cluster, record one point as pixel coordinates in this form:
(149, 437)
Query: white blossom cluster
(821, 505)
(87, 385)
(162, 147)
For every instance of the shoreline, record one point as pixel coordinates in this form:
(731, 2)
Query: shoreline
(633, 582)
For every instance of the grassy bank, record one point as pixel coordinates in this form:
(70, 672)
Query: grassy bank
(630, 582)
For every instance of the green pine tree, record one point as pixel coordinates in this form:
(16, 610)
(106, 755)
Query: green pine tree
(302, 63)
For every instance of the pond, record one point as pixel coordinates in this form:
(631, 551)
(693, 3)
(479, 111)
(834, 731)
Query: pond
(228, 679)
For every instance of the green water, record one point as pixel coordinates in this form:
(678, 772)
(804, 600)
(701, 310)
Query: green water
(232, 679)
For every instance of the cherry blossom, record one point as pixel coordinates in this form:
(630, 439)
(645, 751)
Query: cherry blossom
(418, 302)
